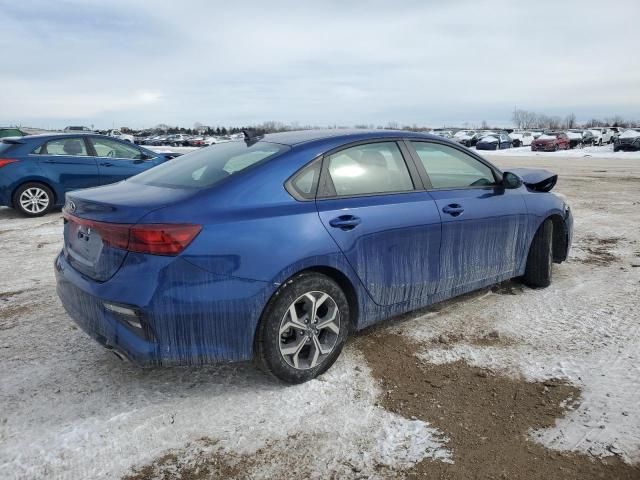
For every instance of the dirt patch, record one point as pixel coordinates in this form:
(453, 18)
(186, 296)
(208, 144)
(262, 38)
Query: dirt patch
(486, 416)
(510, 287)
(204, 463)
(598, 250)
(490, 338)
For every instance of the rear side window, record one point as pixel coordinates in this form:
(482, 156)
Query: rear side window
(63, 146)
(208, 166)
(368, 169)
(448, 167)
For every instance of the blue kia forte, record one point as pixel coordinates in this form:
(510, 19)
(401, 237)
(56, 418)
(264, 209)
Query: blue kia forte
(277, 247)
(37, 171)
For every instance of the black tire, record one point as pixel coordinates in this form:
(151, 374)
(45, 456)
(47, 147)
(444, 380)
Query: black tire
(268, 356)
(46, 192)
(538, 271)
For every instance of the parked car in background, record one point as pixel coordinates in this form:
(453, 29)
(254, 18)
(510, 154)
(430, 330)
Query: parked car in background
(536, 133)
(629, 140)
(443, 133)
(77, 129)
(575, 138)
(588, 138)
(125, 137)
(496, 141)
(521, 138)
(177, 140)
(550, 142)
(469, 140)
(602, 135)
(11, 132)
(165, 268)
(37, 171)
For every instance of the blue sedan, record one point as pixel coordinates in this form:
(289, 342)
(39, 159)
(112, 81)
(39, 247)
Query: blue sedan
(276, 248)
(37, 171)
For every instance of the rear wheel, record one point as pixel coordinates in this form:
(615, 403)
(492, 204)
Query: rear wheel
(538, 271)
(303, 328)
(33, 199)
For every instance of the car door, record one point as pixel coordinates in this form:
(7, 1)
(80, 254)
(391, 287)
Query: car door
(119, 160)
(387, 228)
(483, 224)
(67, 163)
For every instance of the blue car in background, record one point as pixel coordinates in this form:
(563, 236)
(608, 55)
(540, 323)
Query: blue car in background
(37, 171)
(275, 248)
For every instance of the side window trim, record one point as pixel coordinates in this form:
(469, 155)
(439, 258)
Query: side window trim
(497, 174)
(290, 187)
(327, 191)
(38, 149)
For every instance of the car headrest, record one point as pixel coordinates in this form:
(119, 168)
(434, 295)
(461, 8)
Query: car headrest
(72, 147)
(372, 158)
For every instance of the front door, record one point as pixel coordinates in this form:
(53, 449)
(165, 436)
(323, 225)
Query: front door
(484, 225)
(66, 162)
(119, 160)
(388, 230)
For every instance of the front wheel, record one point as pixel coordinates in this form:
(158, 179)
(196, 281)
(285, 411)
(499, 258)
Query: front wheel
(303, 328)
(33, 199)
(538, 270)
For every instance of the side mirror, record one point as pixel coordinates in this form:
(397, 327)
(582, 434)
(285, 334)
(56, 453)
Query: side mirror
(511, 180)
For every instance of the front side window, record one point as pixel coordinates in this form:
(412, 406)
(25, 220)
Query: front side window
(110, 148)
(368, 169)
(10, 132)
(63, 146)
(448, 167)
(208, 166)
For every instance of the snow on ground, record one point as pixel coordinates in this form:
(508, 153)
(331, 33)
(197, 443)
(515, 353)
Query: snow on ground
(69, 409)
(585, 328)
(604, 151)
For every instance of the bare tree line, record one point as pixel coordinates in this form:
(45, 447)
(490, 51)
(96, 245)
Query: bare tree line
(526, 119)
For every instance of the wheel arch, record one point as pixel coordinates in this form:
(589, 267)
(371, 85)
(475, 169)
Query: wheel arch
(39, 180)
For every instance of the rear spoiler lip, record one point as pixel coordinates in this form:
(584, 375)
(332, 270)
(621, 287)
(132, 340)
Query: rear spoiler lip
(13, 140)
(536, 179)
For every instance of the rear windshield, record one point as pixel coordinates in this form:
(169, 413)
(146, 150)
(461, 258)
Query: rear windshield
(206, 167)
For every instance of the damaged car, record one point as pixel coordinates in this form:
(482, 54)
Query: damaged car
(276, 248)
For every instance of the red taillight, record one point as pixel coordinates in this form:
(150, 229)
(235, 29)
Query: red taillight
(6, 161)
(155, 239)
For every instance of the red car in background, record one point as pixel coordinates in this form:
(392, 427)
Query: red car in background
(551, 142)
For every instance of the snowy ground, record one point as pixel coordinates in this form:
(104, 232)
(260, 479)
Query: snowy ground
(69, 409)
(604, 151)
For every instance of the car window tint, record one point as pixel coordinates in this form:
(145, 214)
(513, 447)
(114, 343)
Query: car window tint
(63, 146)
(448, 167)
(369, 168)
(206, 167)
(305, 181)
(110, 148)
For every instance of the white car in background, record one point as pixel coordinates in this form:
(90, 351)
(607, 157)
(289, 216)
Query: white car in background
(121, 136)
(521, 138)
(602, 135)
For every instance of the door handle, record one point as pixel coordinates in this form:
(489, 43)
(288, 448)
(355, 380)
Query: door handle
(453, 209)
(106, 164)
(345, 222)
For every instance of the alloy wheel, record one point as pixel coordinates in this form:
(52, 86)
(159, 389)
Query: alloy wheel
(309, 330)
(34, 200)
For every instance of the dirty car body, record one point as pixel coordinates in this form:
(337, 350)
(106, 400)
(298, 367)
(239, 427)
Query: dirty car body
(398, 220)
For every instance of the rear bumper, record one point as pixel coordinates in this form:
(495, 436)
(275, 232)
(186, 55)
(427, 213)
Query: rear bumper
(190, 316)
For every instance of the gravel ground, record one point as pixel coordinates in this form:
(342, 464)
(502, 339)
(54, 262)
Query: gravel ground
(68, 409)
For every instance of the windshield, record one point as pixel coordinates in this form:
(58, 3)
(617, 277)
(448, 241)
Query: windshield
(208, 166)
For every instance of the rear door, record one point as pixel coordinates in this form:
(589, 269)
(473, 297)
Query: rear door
(483, 224)
(119, 160)
(67, 163)
(372, 203)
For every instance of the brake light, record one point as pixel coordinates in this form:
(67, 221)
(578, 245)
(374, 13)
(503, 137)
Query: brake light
(155, 239)
(6, 161)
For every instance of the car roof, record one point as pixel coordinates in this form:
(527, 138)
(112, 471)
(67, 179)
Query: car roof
(348, 135)
(46, 136)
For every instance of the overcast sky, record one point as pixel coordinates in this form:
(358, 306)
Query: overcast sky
(140, 63)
